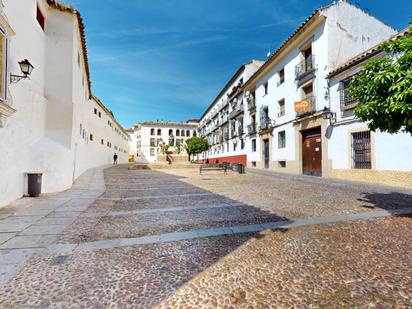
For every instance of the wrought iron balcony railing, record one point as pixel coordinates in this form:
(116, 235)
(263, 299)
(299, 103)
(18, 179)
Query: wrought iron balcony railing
(305, 67)
(265, 123)
(251, 129)
(311, 107)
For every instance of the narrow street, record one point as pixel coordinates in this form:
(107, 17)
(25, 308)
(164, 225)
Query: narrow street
(174, 238)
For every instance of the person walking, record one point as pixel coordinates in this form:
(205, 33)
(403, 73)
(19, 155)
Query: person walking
(115, 159)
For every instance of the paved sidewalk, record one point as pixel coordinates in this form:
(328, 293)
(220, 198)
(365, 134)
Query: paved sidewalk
(29, 226)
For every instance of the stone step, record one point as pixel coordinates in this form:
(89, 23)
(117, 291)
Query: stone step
(151, 166)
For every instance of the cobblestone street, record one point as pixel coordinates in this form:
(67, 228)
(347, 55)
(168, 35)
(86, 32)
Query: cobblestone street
(175, 239)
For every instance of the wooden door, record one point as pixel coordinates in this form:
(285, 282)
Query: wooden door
(312, 152)
(266, 152)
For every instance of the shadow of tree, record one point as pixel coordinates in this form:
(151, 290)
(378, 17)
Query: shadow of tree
(390, 201)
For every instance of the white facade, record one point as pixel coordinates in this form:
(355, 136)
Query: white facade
(388, 152)
(48, 120)
(328, 38)
(223, 122)
(276, 136)
(151, 137)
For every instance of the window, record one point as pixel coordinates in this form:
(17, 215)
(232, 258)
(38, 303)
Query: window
(234, 146)
(152, 131)
(177, 132)
(183, 132)
(253, 163)
(266, 88)
(91, 137)
(159, 131)
(170, 132)
(152, 142)
(100, 115)
(242, 144)
(361, 150)
(78, 59)
(194, 134)
(102, 141)
(282, 164)
(281, 77)
(81, 129)
(253, 145)
(152, 152)
(281, 108)
(187, 133)
(281, 139)
(347, 101)
(40, 18)
(95, 111)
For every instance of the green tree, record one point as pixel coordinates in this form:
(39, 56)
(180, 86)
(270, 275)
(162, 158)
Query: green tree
(196, 145)
(384, 88)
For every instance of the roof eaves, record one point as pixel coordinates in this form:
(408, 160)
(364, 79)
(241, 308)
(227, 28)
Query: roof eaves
(236, 75)
(109, 112)
(374, 50)
(270, 60)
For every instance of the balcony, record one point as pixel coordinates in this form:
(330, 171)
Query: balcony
(305, 70)
(309, 109)
(251, 105)
(265, 125)
(237, 111)
(251, 129)
(224, 119)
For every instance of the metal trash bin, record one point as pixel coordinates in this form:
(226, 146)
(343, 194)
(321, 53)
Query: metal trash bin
(34, 184)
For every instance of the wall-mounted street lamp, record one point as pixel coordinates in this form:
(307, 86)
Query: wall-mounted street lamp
(26, 68)
(327, 114)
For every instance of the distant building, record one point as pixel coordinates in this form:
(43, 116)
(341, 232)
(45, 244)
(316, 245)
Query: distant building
(49, 123)
(223, 121)
(153, 138)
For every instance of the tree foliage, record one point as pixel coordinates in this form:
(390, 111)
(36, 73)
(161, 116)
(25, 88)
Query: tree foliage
(196, 145)
(384, 88)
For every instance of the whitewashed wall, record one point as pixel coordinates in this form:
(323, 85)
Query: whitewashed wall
(43, 133)
(391, 151)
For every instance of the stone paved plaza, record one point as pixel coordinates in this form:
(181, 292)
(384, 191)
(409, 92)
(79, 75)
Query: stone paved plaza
(175, 239)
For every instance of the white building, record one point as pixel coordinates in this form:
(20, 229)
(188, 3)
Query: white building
(51, 122)
(294, 77)
(355, 151)
(287, 101)
(223, 121)
(152, 138)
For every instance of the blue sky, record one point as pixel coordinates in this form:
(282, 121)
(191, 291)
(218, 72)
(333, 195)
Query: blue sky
(167, 59)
